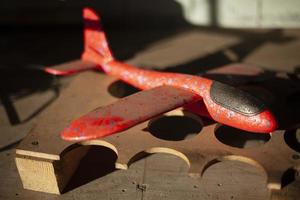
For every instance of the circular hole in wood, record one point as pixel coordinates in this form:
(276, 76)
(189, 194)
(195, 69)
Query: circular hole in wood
(288, 177)
(230, 179)
(239, 138)
(160, 152)
(168, 174)
(174, 164)
(174, 127)
(120, 89)
(97, 161)
(292, 139)
(293, 100)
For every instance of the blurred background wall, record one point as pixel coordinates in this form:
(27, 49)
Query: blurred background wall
(223, 13)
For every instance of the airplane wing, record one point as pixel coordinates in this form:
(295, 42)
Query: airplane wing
(70, 68)
(128, 112)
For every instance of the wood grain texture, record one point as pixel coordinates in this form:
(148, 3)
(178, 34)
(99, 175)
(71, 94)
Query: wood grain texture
(52, 161)
(163, 175)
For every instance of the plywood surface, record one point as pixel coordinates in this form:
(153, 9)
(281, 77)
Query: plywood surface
(199, 153)
(152, 178)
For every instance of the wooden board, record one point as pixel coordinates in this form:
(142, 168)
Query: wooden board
(46, 163)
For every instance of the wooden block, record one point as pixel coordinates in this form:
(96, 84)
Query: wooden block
(47, 175)
(46, 162)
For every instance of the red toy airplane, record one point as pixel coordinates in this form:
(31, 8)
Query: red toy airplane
(202, 96)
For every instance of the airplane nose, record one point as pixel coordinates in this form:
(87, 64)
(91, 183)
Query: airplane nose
(239, 109)
(267, 122)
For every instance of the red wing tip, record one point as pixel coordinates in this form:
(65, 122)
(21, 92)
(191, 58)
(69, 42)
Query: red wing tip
(92, 134)
(56, 72)
(89, 13)
(69, 137)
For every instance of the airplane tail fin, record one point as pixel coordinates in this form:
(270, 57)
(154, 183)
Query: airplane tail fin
(96, 48)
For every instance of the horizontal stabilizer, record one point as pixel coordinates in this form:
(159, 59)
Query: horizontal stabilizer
(128, 112)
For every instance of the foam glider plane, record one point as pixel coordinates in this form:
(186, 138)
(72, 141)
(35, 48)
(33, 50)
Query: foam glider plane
(162, 92)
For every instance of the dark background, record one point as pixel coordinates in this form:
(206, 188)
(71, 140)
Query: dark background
(150, 34)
